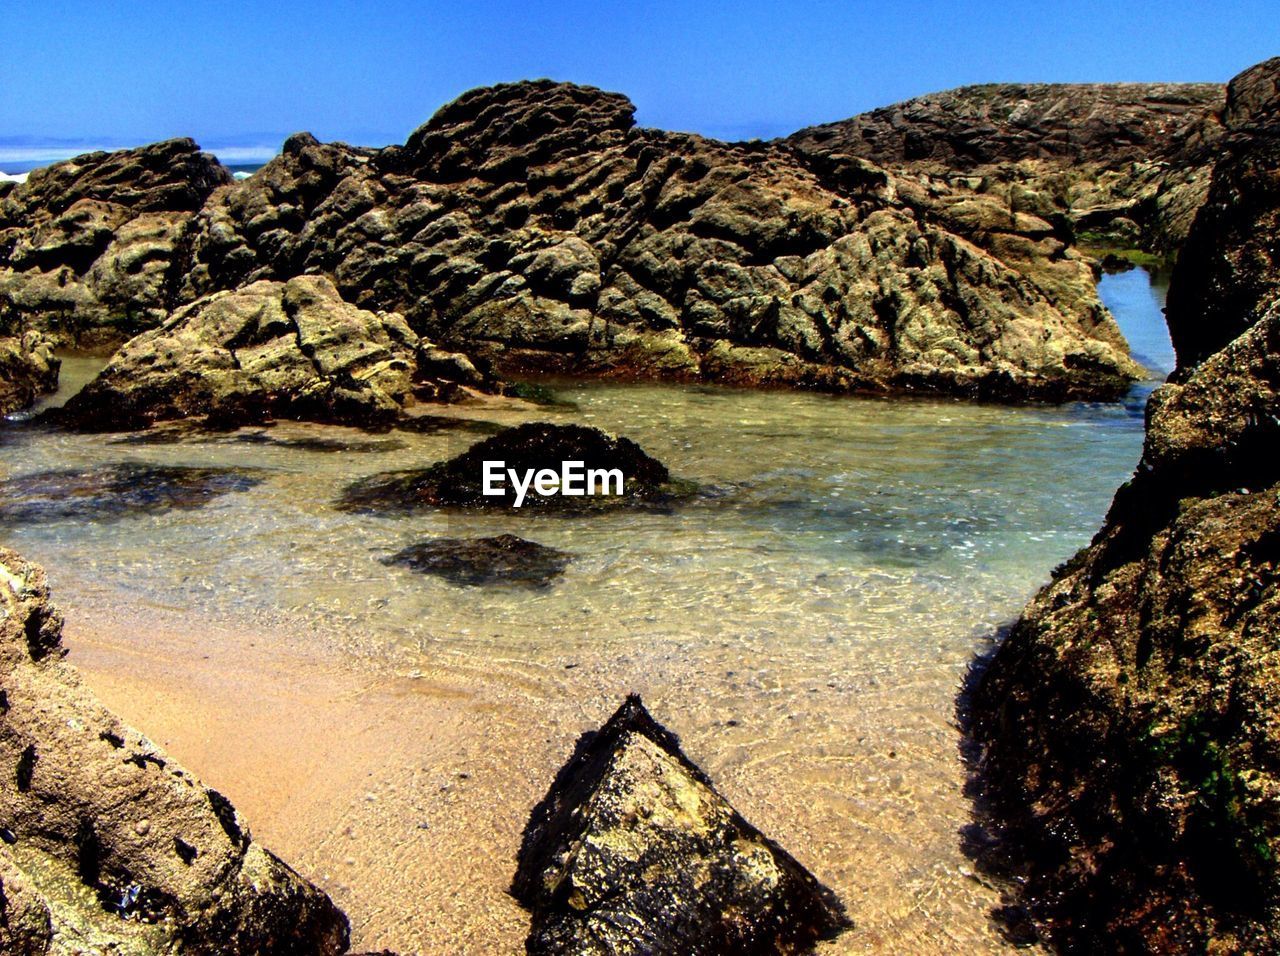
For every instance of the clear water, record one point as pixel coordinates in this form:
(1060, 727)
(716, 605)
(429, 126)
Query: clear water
(804, 623)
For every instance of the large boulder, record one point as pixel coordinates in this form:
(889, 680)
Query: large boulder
(91, 247)
(28, 369)
(633, 851)
(290, 349)
(534, 225)
(1130, 725)
(459, 483)
(1230, 268)
(108, 845)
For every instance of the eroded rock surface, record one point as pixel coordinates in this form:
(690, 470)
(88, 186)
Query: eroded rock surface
(1120, 164)
(28, 369)
(501, 560)
(107, 845)
(290, 349)
(534, 225)
(634, 851)
(92, 247)
(459, 482)
(1130, 723)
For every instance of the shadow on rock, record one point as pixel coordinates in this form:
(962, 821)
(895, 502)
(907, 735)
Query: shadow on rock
(633, 850)
(502, 560)
(116, 491)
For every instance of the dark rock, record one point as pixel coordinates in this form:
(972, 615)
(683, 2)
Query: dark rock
(1128, 726)
(111, 846)
(458, 482)
(503, 560)
(634, 851)
(28, 369)
(113, 491)
(1230, 265)
(270, 350)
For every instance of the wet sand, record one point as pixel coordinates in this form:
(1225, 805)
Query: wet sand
(403, 788)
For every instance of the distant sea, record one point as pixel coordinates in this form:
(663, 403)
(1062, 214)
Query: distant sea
(16, 160)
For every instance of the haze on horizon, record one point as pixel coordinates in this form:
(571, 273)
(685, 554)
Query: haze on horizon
(239, 78)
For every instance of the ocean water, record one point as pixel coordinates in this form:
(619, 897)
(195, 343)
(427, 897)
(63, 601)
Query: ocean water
(804, 622)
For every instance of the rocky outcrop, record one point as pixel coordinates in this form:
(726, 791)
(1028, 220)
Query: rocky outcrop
(526, 450)
(1121, 164)
(290, 349)
(634, 851)
(1230, 268)
(92, 247)
(106, 844)
(502, 560)
(28, 369)
(1129, 723)
(534, 225)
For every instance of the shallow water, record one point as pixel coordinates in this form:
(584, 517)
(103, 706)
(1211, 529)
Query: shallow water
(804, 622)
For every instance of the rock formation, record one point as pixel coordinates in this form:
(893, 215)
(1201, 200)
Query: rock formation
(91, 248)
(1124, 164)
(105, 843)
(28, 369)
(533, 224)
(290, 349)
(459, 482)
(501, 560)
(1130, 723)
(633, 851)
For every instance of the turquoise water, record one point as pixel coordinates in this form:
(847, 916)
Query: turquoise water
(806, 620)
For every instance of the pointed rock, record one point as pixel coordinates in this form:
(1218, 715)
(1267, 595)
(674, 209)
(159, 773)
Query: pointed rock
(634, 851)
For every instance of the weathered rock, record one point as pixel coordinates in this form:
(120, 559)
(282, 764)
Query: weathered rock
(1230, 267)
(502, 560)
(114, 491)
(1121, 164)
(634, 851)
(89, 247)
(533, 225)
(28, 369)
(459, 482)
(1130, 723)
(270, 350)
(108, 845)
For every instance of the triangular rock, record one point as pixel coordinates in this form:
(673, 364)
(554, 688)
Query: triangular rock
(634, 851)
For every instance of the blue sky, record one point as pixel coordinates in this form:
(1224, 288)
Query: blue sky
(248, 74)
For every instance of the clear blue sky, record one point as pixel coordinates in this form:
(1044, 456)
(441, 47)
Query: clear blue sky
(250, 73)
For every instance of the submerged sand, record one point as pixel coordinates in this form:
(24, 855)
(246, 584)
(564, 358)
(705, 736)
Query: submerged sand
(402, 788)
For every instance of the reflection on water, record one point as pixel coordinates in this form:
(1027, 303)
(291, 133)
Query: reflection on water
(805, 622)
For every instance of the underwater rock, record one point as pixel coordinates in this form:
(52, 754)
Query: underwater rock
(634, 851)
(114, 491)
(505, 559)
(459, 482)
(107, 844)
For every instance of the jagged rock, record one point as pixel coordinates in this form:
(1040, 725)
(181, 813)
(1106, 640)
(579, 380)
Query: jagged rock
(272, 349)
(459, 482)
(90, 247)
(503, 560)
(634, 851)
(1121, 164)
(108, 845)
(28, 369)
(112, 491)
(1230, 266)
(1130, 723)
(533, 225)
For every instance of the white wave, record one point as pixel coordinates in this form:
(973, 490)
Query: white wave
(13, 177)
